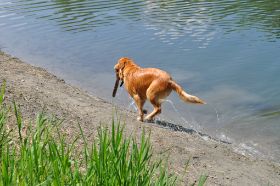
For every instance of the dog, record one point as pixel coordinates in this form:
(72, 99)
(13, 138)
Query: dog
(148, 83)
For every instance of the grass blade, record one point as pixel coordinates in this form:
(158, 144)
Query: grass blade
(202, 180)
(2, 92)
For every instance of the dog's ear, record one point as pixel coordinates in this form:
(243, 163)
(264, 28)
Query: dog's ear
(122, 64)
(121, 73)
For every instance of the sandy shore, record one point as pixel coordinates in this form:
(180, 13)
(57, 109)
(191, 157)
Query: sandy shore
(34, 88)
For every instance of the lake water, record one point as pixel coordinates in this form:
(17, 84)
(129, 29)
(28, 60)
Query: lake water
(226, 52)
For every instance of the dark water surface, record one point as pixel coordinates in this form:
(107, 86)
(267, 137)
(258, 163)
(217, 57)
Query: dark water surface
(226, 52)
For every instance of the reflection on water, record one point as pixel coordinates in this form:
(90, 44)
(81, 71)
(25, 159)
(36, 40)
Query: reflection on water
(272, 112)
(169, 19)
(226, 52)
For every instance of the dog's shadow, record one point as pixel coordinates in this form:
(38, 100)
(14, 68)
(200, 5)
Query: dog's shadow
(171, 126)
(175, 127)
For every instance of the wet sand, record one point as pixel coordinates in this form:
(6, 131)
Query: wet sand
(34, 89)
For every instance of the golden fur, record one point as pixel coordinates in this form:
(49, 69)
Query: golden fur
(148, 83)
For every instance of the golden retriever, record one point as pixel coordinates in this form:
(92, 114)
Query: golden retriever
(148, 83)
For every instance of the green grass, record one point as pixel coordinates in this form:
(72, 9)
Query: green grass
(40, 155)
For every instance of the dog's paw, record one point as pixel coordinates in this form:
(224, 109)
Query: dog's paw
(139, 118)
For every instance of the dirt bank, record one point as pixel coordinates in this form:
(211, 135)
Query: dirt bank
(34, 88)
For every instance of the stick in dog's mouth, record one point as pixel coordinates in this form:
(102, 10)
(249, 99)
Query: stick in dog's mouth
(116, 87)
(117, 83)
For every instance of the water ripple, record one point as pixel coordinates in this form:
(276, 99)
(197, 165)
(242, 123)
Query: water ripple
(170, 20)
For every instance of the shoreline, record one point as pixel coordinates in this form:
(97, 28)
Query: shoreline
(34, 89)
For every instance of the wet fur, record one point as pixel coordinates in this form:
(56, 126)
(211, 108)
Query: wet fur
(149, 83)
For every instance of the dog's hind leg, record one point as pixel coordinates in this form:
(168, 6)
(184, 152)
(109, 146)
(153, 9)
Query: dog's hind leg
(157, 110)
(140, 103)
(156, 93)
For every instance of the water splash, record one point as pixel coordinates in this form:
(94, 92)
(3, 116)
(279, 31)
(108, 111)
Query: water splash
(177, 111)
(132, 104)
(217, 115)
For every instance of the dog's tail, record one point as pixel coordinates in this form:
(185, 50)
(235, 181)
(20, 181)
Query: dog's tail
(185, 96)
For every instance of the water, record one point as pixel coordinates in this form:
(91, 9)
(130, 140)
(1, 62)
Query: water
(226, 52)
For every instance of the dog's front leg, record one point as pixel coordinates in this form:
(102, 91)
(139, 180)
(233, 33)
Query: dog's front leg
(139, 102)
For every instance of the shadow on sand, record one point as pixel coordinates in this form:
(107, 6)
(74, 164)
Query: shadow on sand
(175, 127)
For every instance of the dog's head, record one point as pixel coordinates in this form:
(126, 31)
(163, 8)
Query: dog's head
(119, 68)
